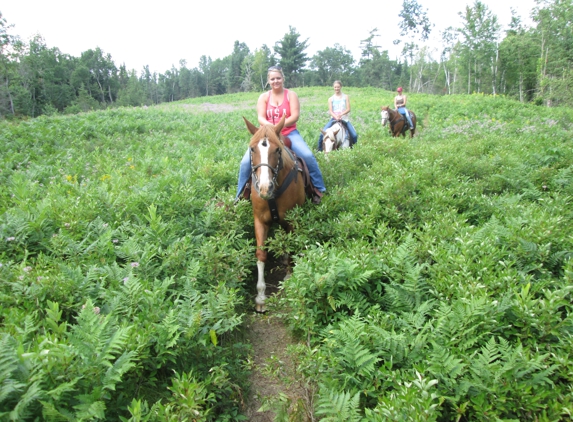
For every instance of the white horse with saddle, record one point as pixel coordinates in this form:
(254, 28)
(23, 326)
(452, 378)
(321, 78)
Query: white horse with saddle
(335, 137)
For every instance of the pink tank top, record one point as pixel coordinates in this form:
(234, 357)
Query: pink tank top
(274, 113)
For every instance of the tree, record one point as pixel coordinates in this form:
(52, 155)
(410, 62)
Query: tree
(415, 25)
(448, 59)
(247, 83)
(332, 63)
(555, 43)
(292, 55)
(518, 60)
(132, 94)
(414, 21)
(368, 46)
(235, 69)
(479, 48)
(10, 47)
(103, 81)
(205, 69)
(262, 60)
(379, 71)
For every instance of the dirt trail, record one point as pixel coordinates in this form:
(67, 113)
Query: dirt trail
(273, 372)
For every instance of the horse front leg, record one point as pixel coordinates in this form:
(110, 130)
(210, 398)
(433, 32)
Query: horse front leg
(261, 232)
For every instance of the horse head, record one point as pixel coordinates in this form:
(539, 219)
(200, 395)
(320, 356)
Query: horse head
(385, 114)
(267, 158)
(330, 139)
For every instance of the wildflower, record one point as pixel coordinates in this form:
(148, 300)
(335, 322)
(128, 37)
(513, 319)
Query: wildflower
(96, 310)
(10, 239)
(67, 225)
(28, 269)
(115, 240)
(40, 278)
(135, 264)
(125, 280)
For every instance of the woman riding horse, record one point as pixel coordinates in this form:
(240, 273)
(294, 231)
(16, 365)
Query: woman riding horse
(271, 107)
(339, 109)
(400, 105)
(278, 186)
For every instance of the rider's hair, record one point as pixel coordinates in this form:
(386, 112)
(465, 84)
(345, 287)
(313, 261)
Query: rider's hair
(276, 69)
(337, 82)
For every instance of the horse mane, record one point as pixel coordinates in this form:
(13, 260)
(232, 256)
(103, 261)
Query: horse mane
(269, 132)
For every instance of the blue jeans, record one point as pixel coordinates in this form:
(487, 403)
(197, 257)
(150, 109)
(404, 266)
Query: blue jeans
(351, 132)
(301, 149)
(404, 112)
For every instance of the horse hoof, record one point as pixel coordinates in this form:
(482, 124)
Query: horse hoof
(260, 309)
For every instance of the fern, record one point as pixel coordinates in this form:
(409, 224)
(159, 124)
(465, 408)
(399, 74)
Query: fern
(408, 289)
(336, 406)
(31, 396)
(11, 380)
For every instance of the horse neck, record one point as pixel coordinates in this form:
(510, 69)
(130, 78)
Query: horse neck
(287, 163)
(394, 114)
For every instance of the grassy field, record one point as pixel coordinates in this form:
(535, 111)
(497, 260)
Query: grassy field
(433, 282)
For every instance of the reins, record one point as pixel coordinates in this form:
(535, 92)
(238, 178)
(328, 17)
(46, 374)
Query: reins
(273, 207)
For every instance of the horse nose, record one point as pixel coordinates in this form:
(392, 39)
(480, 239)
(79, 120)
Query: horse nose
(266, 189)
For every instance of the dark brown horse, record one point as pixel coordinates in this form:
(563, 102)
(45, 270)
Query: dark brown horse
(398, 123)
(277, 186)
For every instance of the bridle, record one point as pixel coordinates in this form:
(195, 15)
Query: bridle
(275, 170)
(385, 117)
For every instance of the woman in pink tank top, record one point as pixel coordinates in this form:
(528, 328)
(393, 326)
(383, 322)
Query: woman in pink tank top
(271, 106)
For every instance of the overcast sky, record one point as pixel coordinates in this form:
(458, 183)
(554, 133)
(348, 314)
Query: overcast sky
(160, 34)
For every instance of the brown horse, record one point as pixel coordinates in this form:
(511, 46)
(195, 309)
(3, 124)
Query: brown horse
(398, 123)
(278, 186)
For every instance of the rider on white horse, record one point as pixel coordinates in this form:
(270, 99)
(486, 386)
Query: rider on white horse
(339, 108)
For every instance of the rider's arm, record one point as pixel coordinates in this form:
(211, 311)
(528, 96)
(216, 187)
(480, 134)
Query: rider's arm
(262, 108)
(330, 111)
(294, 109)
(347, 106)
(404, 105)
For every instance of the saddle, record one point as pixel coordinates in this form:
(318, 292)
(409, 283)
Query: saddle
(309, 188)
(402, 118)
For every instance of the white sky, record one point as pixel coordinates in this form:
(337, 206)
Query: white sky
(160, 34)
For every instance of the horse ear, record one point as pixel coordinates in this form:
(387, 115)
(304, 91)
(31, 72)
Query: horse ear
(279, 126)
(252, 128)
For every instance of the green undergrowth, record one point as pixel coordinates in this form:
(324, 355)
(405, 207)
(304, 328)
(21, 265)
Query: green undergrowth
(432, 283)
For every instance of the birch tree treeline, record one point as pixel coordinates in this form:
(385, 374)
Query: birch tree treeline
(532, 63)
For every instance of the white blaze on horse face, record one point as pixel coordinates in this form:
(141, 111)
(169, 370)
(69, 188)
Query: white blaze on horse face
(328, 142)
(265, 171)
(385, 117)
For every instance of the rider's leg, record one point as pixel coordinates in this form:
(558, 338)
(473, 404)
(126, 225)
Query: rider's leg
(407, 114)
(244, 172)
(352, 132)
(302, 150)
(320, 137)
